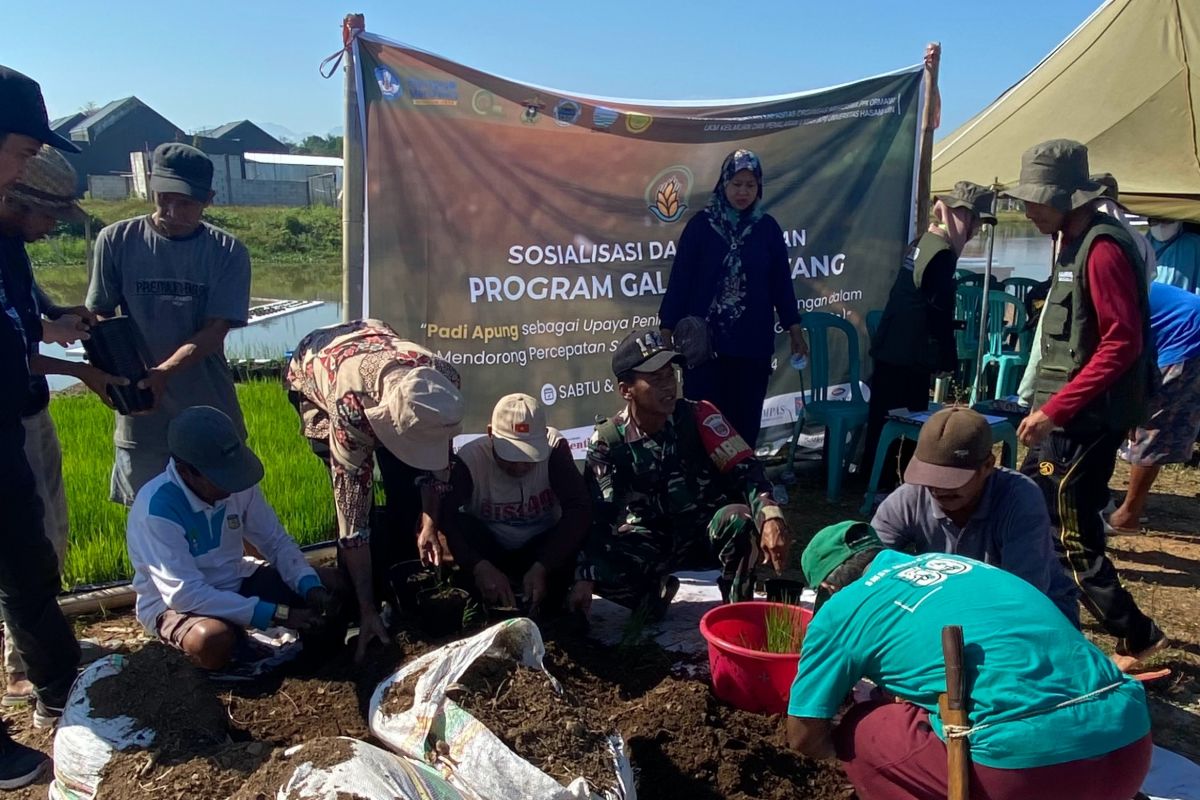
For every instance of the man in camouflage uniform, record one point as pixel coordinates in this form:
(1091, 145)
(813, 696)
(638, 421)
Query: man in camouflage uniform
(673, 487)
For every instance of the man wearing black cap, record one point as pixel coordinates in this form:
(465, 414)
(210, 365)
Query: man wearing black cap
(196, 588)
(185, 284)
(673, 487)
(29, 582)
(955, 500)
(1093, 382)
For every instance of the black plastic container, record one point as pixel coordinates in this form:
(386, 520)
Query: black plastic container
(782, 590)
(116, 346)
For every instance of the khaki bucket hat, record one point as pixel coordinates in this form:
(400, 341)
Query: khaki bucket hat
(973, 197)
(1055, 174)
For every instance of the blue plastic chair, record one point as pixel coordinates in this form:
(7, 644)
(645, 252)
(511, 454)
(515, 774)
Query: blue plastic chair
(899, 428)
(839, 418)
(1010, 361)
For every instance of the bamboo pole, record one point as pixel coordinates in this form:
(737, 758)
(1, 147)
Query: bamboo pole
(930, 117)
(353, 179)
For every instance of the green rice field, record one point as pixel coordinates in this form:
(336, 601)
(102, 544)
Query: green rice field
(296, 482)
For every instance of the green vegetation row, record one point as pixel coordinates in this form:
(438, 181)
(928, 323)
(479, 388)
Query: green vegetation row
(296, 482)
(272, 233)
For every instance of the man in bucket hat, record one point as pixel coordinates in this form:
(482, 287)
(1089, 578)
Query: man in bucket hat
(1050, 716)
(1093, 381)
(29, 580)
(29, 210)
(956, 500)
(185, 284)
(367, 396)
(916, 333)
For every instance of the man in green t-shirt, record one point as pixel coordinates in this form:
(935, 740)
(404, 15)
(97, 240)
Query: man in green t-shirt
(1050, 715)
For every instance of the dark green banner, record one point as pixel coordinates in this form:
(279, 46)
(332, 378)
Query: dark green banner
(520, 232)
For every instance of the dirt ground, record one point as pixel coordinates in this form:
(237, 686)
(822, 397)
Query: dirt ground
(682, 741)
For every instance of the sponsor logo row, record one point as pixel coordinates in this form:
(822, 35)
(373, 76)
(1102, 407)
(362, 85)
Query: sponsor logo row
(564, 112)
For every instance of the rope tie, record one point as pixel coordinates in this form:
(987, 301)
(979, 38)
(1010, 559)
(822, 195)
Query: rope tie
(349, 34)
(964, 732)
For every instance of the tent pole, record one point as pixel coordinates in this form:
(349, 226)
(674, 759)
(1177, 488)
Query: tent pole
(983, 302)
(353, 180)
(930, 118)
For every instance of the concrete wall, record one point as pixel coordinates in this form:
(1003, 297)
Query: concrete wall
(232, 187)
(108, 187)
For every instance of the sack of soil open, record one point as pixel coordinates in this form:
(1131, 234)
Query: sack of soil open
(338, 767)
(488, 715)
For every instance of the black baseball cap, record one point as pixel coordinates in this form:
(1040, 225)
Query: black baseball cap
(643, 351)
(182, 169)
(23, 111)
(206, 438)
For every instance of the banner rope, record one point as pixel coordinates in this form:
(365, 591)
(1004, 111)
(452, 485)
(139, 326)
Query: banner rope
(334, 60)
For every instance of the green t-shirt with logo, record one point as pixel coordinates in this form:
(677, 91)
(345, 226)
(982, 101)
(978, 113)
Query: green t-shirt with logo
(1022, 659)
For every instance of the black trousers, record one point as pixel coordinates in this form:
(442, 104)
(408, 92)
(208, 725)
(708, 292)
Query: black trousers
(514, 563)
(393, 527)
(29, 579)
(1073, 470)
(892, 387)
(736, 386)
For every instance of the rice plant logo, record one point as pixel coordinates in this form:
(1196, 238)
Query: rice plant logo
(667, 193)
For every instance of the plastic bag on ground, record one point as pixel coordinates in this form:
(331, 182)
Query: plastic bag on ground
(475, 759)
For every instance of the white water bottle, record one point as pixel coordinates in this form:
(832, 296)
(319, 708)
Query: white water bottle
(799, 362)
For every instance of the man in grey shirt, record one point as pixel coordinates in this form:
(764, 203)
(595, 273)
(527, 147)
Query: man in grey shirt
(185, 284)
(955, 500)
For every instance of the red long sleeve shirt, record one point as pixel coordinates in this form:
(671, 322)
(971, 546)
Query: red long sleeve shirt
(1119, 319)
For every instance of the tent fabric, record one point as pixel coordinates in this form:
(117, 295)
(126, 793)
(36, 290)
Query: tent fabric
(1126, 83)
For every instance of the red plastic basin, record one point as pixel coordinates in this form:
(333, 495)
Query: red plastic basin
(745, 677)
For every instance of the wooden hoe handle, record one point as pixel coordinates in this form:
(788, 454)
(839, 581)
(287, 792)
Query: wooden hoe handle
(954, 713)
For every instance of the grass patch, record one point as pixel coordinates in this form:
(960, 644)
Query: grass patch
(296, 482)
(295, 253)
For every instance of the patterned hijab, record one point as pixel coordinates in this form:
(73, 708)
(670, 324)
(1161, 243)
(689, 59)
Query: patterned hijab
(733, 226)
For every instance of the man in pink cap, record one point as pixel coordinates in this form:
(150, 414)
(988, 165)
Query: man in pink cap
(517, 512)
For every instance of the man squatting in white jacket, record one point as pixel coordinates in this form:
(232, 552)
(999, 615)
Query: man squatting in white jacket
(196, 588)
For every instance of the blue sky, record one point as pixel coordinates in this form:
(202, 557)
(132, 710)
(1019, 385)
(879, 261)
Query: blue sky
(207, 63)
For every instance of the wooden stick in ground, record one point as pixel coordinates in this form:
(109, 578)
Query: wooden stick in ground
(954, 716)
(929, 121)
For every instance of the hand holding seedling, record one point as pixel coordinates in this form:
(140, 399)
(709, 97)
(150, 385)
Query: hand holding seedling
(774, 543)
(493, 585)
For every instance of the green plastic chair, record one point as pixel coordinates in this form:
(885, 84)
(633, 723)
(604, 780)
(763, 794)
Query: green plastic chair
(1010, 362)
(968, 277)
(1019, 287)
(839, 418)
(966, 338)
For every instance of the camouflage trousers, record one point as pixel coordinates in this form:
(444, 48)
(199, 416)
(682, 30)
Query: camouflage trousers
(630, 561)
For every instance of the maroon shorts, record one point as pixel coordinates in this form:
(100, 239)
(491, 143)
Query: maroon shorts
(890, 752)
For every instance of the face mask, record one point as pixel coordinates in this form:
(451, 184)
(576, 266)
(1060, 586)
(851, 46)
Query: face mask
(1165, 231)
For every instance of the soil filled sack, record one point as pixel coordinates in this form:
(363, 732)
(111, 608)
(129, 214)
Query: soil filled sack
(152, 699)
(338, 767)
(411, 713)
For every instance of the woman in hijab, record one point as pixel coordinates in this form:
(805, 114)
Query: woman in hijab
(731, 276)
(916, 334)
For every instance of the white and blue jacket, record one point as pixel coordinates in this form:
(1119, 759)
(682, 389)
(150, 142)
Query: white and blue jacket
(188, 556)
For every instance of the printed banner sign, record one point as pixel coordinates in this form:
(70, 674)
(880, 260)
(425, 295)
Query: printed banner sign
(521, 232)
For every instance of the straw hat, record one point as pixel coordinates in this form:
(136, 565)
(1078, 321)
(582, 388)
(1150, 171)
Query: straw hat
(48, 185)
(1055, 174)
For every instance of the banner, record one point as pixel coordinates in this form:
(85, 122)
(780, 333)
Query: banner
(520, 232)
